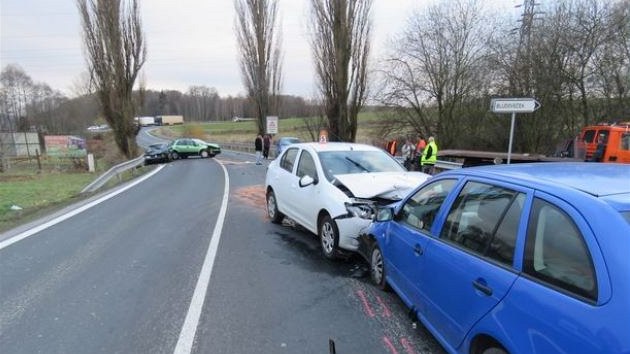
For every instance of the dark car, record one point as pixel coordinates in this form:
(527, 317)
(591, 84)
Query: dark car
(523, 258)
(156, 153)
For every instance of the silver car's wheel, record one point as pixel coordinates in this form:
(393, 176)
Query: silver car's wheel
(329, 237)
(272, 208)
(377, 268)
(203, 153)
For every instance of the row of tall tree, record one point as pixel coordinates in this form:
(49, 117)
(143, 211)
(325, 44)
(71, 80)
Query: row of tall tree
(573, 56)
(340, 42)
(27, 105)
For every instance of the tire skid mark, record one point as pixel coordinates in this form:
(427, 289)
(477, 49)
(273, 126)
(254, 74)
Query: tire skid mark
(384, 308)
(389, 345)
(398, 335)
(367, 308)
(406, 344)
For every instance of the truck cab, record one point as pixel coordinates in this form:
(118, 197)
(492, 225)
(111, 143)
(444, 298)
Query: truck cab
(615, 138)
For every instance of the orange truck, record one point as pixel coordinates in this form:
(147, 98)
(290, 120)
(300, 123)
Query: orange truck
(613, 140)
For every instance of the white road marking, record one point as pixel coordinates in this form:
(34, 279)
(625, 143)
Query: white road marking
(44, 226)
(187, 334)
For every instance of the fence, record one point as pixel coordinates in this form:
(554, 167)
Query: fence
(39, 162)
(19, 144)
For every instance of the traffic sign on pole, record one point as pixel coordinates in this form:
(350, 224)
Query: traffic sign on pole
(513, 106)
(272, 125)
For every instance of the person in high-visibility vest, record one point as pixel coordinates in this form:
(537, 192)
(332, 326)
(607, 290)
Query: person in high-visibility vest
(392, 147)
(420, 145)
(429, 157)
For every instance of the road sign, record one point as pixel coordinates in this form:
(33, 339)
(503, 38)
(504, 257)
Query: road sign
(514, 105)
(272, 125)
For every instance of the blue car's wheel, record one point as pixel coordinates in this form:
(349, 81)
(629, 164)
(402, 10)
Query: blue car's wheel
(377, 268)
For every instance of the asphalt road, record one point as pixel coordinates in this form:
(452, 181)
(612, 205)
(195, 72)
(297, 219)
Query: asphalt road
(122, 277)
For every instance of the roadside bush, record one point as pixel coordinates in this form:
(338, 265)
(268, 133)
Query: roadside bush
(194, 131)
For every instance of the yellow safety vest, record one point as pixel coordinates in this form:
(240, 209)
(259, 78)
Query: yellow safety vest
(431, 160)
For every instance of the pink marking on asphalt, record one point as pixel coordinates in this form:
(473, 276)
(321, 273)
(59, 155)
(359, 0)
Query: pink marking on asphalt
(386, 311)
(389, 345)
(407, 345)
(366, 305)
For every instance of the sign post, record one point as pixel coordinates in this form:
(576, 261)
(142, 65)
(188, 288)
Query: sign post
(513, 105)
(272, 125)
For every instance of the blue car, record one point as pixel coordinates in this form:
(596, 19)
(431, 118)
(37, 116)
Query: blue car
(283, 142)
(524, 258)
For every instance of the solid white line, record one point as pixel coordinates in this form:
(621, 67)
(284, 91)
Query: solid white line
(33, 231)
(187, 334)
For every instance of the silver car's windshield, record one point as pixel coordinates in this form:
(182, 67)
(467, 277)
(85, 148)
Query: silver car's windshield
(349, 162)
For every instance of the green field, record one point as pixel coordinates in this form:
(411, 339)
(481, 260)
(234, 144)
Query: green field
(38, 192)
(370, 127)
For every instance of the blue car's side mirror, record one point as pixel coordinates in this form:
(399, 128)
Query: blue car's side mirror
(384, 214)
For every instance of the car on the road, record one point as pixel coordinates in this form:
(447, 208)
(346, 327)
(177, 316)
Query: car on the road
(522, 258)
(156, 153)
(283, 142)
(331, 189)
(186, 147)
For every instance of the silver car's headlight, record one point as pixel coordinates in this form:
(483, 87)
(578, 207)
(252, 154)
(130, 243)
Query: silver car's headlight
(361, 210)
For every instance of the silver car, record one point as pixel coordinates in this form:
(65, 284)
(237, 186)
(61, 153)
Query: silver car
(331, 189)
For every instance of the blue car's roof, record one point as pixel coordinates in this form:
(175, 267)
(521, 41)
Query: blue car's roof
(598, 179)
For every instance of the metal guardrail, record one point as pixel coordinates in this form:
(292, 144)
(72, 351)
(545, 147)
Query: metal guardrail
(447, 165)
(439, 165)
(114, 171)
(127, 165)
(247, 147)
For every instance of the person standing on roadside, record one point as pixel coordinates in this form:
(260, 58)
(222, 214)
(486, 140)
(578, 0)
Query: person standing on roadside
(392, 147)
(429, 157)
(420, 145)
(408, 150)
(600, 150)
(258, 146)
(266, 145)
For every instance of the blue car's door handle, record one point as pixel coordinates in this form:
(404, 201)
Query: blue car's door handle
(479, 285)
(418, 250)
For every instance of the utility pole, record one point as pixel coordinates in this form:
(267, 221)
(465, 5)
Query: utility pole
(524, 55)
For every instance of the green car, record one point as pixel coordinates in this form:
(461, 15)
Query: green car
(184, 147)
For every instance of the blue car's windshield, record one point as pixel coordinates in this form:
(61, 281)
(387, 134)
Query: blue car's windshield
(348, 162)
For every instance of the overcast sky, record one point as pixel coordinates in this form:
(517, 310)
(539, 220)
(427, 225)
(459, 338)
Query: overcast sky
(189, 42)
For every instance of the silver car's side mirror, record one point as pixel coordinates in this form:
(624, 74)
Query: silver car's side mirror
(306, 181)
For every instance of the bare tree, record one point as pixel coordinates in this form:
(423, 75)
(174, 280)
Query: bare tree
(341, 46)
(437, 68)
(114, 44)
(17, 89)
(260, 55)
(612, 63)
